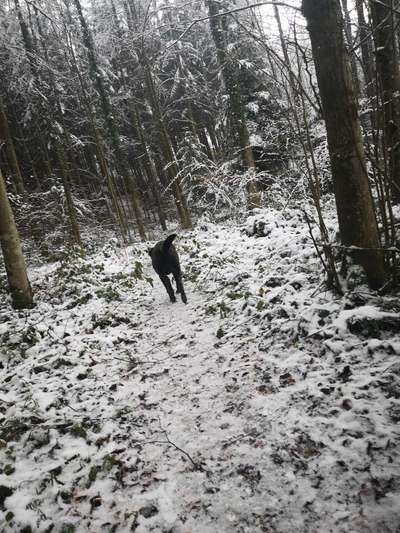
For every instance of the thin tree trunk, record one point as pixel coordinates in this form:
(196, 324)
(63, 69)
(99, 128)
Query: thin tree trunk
(5, 134)
(387, 62)
(60, 156)
(131, 9)
(352, 55)
(198, 131)
(68, 195)
(105, 171)
(205, 142)
(149, 168)
(236, 109)
(167, 150)
(99, 150)
(20, 288)
(366, 49)
(210, 129)
(121, 161)
(357, 221)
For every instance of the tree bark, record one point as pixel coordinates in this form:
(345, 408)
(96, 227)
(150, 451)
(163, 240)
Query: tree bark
(349, 39)
(5, 134)
(59, 149)
(121, 161)
(20, 288)
(149, 167)
(357, 221)
(366, 49)
(167, 149)
(387, 63)
(64, 172)
(236, 109)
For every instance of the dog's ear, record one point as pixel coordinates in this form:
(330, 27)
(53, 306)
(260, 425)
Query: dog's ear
(149, 250)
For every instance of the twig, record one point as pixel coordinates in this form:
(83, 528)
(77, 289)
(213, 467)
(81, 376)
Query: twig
(196, 466)
(239, 437)
(37, 8)
(161, 343)
(358, 248)
(147, 353)
(393, 9)
(313, 333)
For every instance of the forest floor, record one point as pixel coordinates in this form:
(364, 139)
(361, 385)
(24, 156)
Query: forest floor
(266, 404)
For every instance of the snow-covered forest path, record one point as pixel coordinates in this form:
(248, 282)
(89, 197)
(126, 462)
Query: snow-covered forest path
(265, 404)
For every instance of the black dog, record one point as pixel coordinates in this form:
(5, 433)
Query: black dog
(166, 261)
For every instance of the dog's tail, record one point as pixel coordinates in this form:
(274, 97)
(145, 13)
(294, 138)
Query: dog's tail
(168, 241)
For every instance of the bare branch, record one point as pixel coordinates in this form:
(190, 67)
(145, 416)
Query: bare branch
(236, 10)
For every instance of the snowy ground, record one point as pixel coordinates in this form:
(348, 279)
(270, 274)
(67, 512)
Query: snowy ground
(264, 405)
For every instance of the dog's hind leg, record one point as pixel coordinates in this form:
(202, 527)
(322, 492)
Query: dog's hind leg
(168, 286)
(178, 284)
(179, 287)
(183, 295)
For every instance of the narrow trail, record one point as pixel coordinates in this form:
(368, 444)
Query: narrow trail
(251, 409)
(198, 389)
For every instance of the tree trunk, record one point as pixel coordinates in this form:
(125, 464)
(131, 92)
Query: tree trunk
(389, 77)
(60, 155)
(74, 226)
(105, 171)
(236, 109)
(20, 288)
(11, 155)
(349, 39)
(131, 9)
(149, 167)
(99, 151)
(198, 131)
(357, 221)
(121, 161)
(167, 149)
(210, 129)
(366, 49)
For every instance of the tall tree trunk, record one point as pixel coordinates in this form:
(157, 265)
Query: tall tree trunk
(5, 135)
(60, 156)
(133, 17)
(26, 36)
(236, 109)
(99, 150)
(349, 40)
(121, 161)
(387, 63)
(149, 167)
(20, 288)
(64, 172)
(357, 221)
(166, 147)
(105, 171)
(366, 49)
(202, 133)
(210, 129)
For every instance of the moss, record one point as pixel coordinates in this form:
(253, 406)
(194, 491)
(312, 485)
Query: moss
(78, 431)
